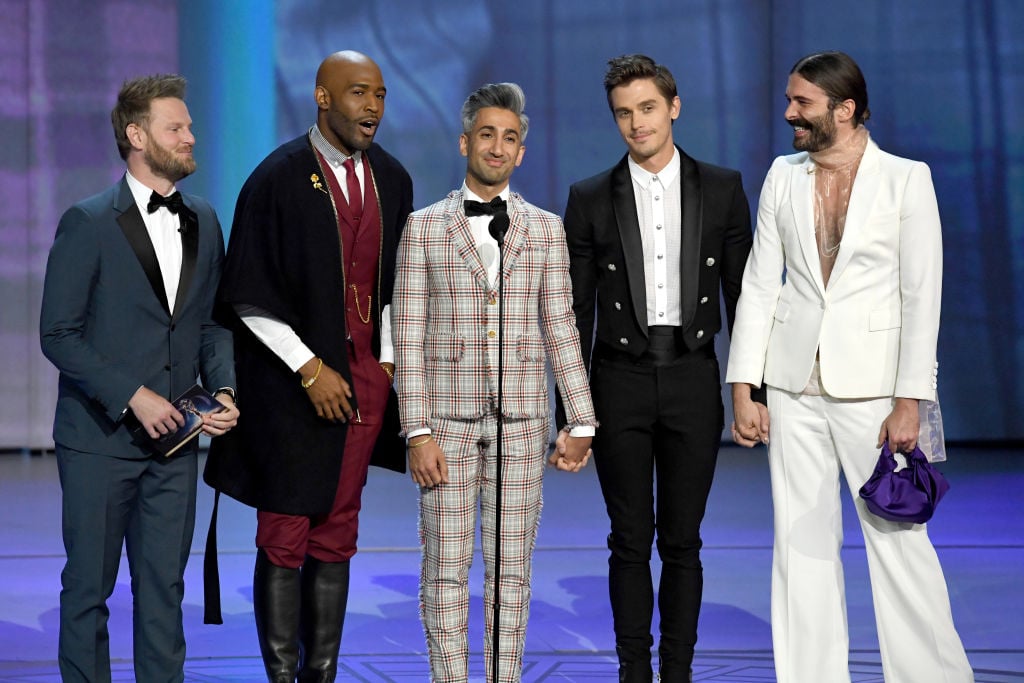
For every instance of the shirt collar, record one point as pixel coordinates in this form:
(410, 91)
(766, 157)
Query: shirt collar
(141, 193)
(469, 194)
(642, 177)
(331, 153)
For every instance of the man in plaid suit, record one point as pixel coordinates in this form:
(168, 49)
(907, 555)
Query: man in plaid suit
(445, 313)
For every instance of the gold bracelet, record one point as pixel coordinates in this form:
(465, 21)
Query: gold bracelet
(388, 371)
(423, 441)
(306, 384)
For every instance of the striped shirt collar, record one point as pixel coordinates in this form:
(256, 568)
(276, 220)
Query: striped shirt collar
(331, 153)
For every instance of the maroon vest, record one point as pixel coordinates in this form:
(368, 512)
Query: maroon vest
(361, 248)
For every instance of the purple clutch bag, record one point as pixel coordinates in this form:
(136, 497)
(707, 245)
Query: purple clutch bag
(909, 495)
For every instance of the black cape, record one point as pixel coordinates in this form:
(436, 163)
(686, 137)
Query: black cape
(284, 256)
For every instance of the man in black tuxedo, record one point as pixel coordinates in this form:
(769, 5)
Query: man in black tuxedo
(652, 241)
(127, 318)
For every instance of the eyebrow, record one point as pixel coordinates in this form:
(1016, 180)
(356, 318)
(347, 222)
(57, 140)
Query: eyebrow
(494, 129)
(645, 103)
(366, 86)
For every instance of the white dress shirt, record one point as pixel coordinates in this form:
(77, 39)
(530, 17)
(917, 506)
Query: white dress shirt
(659, 212)
(164, 232)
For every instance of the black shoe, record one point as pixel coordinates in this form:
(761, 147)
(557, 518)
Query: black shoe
(275, 599)
(324, 598)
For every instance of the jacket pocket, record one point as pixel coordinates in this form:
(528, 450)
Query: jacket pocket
(448, 347)
(884, 319)
(782, 311)
(530, 349)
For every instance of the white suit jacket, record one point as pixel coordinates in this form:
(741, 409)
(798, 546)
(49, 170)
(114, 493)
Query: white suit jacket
(875, 327)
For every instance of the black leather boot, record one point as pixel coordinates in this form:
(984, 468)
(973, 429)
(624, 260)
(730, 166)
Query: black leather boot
(324, 599)
(276, 595)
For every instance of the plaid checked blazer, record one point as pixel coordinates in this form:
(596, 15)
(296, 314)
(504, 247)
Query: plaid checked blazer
(444, 319)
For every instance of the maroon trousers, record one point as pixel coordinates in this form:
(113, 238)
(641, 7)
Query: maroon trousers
(288, 539)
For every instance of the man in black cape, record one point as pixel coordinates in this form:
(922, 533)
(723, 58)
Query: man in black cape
(309, 271)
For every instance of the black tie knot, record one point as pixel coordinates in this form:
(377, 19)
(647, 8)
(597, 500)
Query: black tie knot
(173, 202)
(496, 205)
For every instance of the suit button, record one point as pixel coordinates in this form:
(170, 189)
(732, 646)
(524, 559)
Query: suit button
(491, 334)
(710, 261)
(700, 334)
(167, 368)
(618, 306)
(624, 341)
(703, 299)
(611, 266)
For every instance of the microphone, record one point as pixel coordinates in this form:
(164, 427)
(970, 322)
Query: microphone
(498, 226)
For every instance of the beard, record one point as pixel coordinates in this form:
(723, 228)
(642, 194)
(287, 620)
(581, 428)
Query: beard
(166, 164)
(821, 133)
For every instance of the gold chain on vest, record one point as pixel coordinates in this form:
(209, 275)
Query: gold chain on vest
(369, 304)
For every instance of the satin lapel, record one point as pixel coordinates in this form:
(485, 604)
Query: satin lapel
(801, 198)
(130, 220)
(862, 202)
(624, 206)
(460, 236)
(692, 213)
(189, 253)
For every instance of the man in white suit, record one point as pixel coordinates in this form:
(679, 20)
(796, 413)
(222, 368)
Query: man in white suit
(839, 317)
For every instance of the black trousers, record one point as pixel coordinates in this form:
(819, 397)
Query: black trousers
(661, 422)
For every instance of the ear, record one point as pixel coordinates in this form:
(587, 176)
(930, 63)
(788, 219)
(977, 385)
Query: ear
(519, 157)
(136, 135)
(322, 97)
(845, 110)
(675, 106)
(463, 145)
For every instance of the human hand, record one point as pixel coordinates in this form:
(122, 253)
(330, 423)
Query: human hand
(216, 424)
(427, 464)
(901, 427)
(156, 414)
(571, 453)
(329, 392)
(751, 424)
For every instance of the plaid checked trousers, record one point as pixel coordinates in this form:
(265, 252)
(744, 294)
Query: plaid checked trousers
(447, 526)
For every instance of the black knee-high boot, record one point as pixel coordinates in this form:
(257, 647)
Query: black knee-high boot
(324, 599)
(276, 596)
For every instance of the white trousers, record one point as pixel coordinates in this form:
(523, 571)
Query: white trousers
(812, 438)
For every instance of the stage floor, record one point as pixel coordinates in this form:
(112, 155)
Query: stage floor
(978, 531)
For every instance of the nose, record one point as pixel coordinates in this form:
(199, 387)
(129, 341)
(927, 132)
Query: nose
(791, 114)
(188, 137)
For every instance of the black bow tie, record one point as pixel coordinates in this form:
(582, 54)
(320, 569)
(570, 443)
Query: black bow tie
(496, 205)
(173, 202)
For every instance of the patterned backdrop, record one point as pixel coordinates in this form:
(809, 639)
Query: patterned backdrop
(946, 80)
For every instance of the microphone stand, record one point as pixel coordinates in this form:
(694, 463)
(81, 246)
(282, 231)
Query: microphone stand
(498, 225)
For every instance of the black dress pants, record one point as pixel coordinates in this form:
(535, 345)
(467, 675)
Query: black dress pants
(661, 422)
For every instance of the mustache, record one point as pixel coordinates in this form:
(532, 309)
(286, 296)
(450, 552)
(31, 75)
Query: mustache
(803, 123)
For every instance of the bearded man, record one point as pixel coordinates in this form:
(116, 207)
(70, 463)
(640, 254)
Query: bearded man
(127, 318)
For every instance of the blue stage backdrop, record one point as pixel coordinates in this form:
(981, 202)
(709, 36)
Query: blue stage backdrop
(946, 80)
